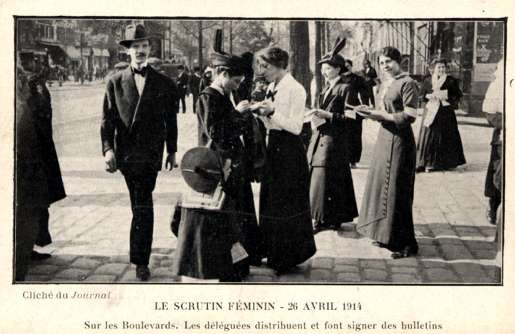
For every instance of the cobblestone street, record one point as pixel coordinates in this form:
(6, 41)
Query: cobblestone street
(90, 228)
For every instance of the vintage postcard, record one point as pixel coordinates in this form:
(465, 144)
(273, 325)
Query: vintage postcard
(256, 167)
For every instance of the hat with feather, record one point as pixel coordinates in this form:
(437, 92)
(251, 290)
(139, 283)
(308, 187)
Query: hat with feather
(221, 58)
(333, 58)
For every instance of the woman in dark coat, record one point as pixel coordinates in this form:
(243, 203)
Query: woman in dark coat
(386, 213)
(331, 188)
(206, 238)
(285, 216)
(40, 104)
(439, 146)
(31, 181)
(494, 109)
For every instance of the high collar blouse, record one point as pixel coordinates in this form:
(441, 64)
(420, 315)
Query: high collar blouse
(289, 101)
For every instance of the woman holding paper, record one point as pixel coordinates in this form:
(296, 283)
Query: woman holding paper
(285, 217)
(386, 213)
(331, 188)
(439, 146)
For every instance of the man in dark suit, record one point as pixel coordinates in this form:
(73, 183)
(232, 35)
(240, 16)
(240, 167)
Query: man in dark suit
(139, 116)
(195, 86)
(182, 83)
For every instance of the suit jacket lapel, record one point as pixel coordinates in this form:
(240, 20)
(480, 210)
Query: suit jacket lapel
(145, 94)
(330, 96)
(130, 94)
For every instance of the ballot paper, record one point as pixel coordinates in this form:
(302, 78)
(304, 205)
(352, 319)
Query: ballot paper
(238, 253)
(317, 122)
(350, 113)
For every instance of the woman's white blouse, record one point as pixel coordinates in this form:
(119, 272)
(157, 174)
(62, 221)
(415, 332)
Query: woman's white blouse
(289, 103)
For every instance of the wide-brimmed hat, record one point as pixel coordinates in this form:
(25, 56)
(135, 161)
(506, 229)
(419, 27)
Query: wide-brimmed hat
(134, 32)
(333, 58)
(202, 169)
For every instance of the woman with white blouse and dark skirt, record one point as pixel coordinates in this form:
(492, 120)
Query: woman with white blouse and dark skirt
(439, 146)
(285, 217)
(386, 214)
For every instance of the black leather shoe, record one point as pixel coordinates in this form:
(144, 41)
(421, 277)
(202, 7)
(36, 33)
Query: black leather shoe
(321, 227)
(142, 273)
(35, 256)
(379, 244)
(491, 215)
(405, 252)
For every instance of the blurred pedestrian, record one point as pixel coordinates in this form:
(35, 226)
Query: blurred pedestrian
(369, 74)
(31, 180)
(359, 93)
(285, 215)
(439, 144)
(194, 84)
(40, 105)
(259, 88)
(331, 192)
(494, 109)
(244, 91)
(139, 117)
(182, 84)
(386, 214)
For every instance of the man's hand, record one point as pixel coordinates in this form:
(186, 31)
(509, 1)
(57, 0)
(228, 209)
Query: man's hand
(110, 161)
(170, 162)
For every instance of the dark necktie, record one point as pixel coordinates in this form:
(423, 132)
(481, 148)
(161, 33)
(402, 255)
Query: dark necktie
(271, 95)
(142, 71)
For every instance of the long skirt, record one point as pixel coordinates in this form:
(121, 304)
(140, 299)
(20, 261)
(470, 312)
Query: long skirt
(285, 217)
(353, 132)
(439, 145)
(332, 195)
(206, 237)
(386, 213)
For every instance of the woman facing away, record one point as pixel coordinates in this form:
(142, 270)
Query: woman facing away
(331, 188)
(439, 146)
(285, 217)
(386, 213)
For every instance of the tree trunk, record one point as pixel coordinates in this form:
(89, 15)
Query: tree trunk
(322, 37)
(328, 37)
(230, 37)
(299, 55)
(412, 47)
(318, 56)
(200, 46)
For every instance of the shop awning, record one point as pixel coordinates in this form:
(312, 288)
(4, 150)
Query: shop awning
(98, 52)
(72, 52)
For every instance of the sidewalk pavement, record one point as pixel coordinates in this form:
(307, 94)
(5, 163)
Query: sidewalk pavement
(90, 228)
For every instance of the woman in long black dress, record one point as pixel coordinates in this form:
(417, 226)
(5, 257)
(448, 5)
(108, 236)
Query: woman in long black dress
(386, 213)
(331, 188)
(285, 217)
(439, 145)
(206, 238)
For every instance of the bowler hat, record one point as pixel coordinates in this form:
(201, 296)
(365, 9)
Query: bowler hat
(134, 32)
(202, 169)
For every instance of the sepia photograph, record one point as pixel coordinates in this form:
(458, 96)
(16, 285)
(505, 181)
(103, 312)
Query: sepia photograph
(258, 151)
